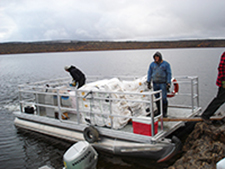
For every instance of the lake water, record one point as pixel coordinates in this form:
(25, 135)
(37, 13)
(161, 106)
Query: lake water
(22, 149)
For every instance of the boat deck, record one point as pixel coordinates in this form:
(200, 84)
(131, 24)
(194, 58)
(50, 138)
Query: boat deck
(168, 126)
(96, 104)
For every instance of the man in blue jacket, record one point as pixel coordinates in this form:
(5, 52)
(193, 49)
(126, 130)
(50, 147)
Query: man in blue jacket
(159, 73)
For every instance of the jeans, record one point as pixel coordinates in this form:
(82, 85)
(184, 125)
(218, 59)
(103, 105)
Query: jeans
(161, 86)
(215, 103)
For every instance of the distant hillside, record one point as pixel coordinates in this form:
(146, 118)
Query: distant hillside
(65, 46)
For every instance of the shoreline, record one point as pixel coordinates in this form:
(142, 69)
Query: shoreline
(68, 46)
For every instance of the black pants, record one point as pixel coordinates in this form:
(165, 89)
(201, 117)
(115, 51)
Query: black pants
(215, 103)
(81, 82)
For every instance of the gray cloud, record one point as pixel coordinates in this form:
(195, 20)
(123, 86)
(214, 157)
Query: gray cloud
(24, 20)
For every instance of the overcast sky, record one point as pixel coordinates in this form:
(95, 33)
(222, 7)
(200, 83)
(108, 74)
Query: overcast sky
(111, 20)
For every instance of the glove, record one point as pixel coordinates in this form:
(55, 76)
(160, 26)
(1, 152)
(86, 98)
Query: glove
(149, 85)
(223, 84)
(168, 87)
(73, 83)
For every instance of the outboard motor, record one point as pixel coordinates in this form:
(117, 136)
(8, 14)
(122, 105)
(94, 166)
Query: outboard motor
(80, 156)
(220, 164)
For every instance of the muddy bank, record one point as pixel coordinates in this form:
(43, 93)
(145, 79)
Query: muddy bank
(67, 46)
(203, 148)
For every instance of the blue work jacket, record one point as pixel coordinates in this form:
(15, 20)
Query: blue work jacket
(159, 73)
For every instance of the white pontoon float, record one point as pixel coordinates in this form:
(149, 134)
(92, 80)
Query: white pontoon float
(111, 114)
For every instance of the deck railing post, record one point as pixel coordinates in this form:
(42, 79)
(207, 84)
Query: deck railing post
(77, 105)
(37, 107)
(152, 115)
(59, 106)
(110, 109)
(91, 105)
(192, 95)
(37, 101)
(197, 92)
(161, 109)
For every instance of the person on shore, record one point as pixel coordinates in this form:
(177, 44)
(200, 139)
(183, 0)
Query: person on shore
(77, 75)
(159, 73)
(220, 98)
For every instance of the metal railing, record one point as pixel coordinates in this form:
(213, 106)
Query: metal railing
(30, 94)
(188, 88)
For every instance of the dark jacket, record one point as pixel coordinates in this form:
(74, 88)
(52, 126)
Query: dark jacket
(77, 75)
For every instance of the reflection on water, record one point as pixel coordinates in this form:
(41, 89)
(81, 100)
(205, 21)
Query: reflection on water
(23, 149)
(42, 150)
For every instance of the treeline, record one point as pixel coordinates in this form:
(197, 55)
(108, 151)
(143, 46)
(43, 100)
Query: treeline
(65, 46)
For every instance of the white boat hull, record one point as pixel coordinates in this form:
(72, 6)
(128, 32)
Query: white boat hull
(160, 151)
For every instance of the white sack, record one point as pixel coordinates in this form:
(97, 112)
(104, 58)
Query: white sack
(122, 107)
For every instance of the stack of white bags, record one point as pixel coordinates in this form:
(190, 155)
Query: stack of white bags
(105, 108)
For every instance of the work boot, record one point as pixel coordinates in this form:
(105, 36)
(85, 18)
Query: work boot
(165, 106)
(206, 120)
(156, 112)
(158, 107)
